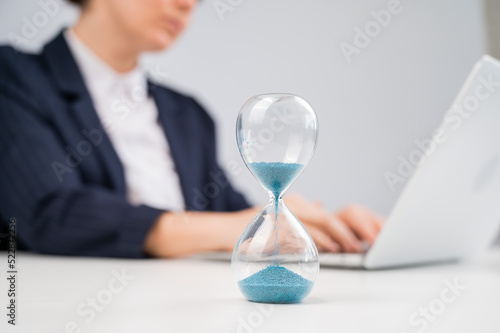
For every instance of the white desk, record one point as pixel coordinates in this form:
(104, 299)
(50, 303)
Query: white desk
(199, 296)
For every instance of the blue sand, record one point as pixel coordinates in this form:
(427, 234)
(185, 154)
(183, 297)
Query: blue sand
(275, 285)
(275, 176)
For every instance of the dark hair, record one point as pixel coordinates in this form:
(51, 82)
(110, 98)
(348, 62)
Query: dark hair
(79, 3)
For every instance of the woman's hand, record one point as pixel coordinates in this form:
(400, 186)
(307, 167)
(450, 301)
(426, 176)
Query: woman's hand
(343, 231)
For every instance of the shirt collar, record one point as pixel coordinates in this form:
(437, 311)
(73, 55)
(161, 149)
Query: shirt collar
(100, 78)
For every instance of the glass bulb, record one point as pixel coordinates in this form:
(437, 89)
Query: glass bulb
(275, 260)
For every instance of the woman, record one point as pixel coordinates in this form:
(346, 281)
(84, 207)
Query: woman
(97, 160)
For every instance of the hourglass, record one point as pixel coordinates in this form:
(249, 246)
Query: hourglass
(275, 260)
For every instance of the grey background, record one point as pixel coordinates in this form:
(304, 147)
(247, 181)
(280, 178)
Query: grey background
(370, 111)
(492, 11)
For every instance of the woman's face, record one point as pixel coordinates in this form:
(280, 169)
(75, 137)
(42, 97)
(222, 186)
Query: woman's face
(152, 24)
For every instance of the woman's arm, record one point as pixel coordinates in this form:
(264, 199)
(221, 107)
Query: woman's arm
(185, 233)
(56, 216)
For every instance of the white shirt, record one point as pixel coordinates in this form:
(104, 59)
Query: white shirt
(130, 118)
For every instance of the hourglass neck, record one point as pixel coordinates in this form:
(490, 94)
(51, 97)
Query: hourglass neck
(275, 198)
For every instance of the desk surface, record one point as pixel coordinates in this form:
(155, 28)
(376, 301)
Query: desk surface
(65, 294)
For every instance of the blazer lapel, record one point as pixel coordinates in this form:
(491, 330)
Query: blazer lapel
(68, 79)
(83, 110)
(169, 113)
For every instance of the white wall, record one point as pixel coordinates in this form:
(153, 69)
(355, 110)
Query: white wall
(370, 111)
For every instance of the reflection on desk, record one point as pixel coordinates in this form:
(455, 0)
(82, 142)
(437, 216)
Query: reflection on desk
(67, 294)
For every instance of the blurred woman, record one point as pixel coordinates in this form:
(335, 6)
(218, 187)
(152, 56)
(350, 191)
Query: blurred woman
(98, 160)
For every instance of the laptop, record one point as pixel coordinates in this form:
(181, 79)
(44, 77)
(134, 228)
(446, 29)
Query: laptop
(450, 207)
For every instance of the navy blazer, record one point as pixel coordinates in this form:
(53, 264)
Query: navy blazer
(61, 179)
